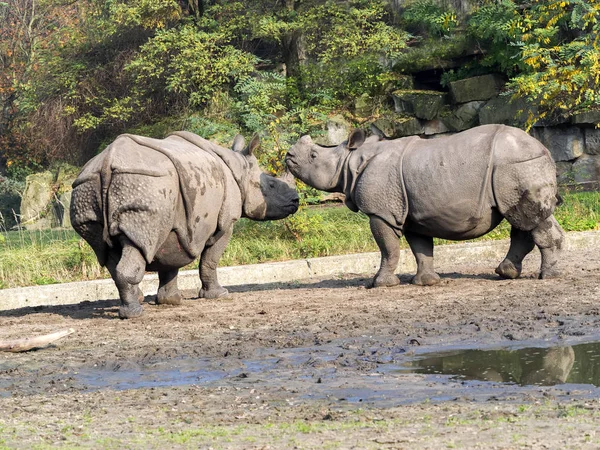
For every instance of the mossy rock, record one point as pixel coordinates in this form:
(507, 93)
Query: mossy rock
(46, 198)
(482, 87)
(399, 126)
(337, 131)
(463, 117)
(504, 110)
(37, 200)
(398, 81)
(363, 106)
(421, 104)
(587, 118)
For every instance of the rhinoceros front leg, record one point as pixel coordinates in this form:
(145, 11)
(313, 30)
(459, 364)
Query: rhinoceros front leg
(521, 243)
(168, 293)
(550, 239)
(387, 241)
(422, 248)
(208, 267)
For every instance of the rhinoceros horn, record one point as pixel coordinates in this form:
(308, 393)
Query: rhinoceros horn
(288, 179)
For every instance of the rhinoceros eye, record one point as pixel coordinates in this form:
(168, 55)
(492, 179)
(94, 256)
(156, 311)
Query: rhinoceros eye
(313, 155)
(271, 184)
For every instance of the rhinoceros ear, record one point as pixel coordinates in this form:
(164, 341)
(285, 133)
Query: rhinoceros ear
(356, 139)
(238, 143)
(253, 145)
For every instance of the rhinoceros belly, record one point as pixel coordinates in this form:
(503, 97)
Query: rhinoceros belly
(455, 228)
(171, 254)
(448, 187)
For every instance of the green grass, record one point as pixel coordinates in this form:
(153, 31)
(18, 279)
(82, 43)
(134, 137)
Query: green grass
(36, 257)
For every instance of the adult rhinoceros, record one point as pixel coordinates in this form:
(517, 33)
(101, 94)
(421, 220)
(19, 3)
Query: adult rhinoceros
(149, 204)
(456, 187)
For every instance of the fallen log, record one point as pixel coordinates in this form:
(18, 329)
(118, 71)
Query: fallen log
(23, 345)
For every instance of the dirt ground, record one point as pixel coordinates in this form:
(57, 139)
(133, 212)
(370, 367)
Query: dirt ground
(309, 364)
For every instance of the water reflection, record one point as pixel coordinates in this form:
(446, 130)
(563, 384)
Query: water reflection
(579, 364)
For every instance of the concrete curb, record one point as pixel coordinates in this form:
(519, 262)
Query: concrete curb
(278, 272)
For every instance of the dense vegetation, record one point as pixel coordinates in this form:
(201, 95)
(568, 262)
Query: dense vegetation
(75, 73)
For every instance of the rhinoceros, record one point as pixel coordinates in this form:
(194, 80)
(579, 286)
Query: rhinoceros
(149, 204)
(454, 187)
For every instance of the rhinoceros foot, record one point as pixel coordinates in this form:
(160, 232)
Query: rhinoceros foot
(385, 280)
(213, 293)
(508, 269)
(546, 274)
(426, 279)
(130, 311)
(173, 299)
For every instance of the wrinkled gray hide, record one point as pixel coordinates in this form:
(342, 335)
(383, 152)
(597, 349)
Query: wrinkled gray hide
(149, 204)
(456, 187)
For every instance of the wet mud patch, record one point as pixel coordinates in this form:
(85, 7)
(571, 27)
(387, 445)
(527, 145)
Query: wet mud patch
(344, 361)
(362, 370)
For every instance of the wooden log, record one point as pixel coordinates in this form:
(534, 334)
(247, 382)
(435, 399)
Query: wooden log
(23, 345)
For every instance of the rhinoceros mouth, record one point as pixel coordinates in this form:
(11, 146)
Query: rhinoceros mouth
(291, 207)
(291, 164)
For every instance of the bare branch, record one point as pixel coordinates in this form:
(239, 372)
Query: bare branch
(23, 345)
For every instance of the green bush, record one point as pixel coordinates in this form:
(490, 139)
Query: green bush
(431, 17)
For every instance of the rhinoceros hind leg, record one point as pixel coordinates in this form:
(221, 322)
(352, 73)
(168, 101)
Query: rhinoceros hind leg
(132, 265)
(550, 238)
(387, 241)
(422, 248)
(168, 293)
(215, 292)
(130, 293)
(521, 243)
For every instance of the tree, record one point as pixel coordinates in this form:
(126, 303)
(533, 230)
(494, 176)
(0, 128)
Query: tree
(86, 70)
(23, 25)
(560, 48)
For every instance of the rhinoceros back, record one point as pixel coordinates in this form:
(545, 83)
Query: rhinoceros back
(145, 188)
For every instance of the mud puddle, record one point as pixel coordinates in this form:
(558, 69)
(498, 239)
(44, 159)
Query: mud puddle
(349, 371)
(525, 366)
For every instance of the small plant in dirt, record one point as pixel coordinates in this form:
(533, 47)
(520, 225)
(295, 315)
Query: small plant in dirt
(302, 223)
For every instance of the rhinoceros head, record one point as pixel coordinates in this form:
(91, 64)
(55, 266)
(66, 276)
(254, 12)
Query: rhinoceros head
(266, 197)
(319, 166)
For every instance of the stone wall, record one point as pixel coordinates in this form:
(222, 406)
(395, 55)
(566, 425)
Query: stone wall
(574, 142)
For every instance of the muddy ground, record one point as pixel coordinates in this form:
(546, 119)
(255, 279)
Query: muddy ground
(309, 364)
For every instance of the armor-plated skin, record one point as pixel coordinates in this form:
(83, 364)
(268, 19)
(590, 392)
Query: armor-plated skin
(149, 204)
(455, 187)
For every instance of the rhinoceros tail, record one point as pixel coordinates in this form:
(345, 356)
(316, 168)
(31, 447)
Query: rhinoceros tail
(105, 179)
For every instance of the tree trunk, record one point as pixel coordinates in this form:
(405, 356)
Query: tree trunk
(294, 50)
(294, 53)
